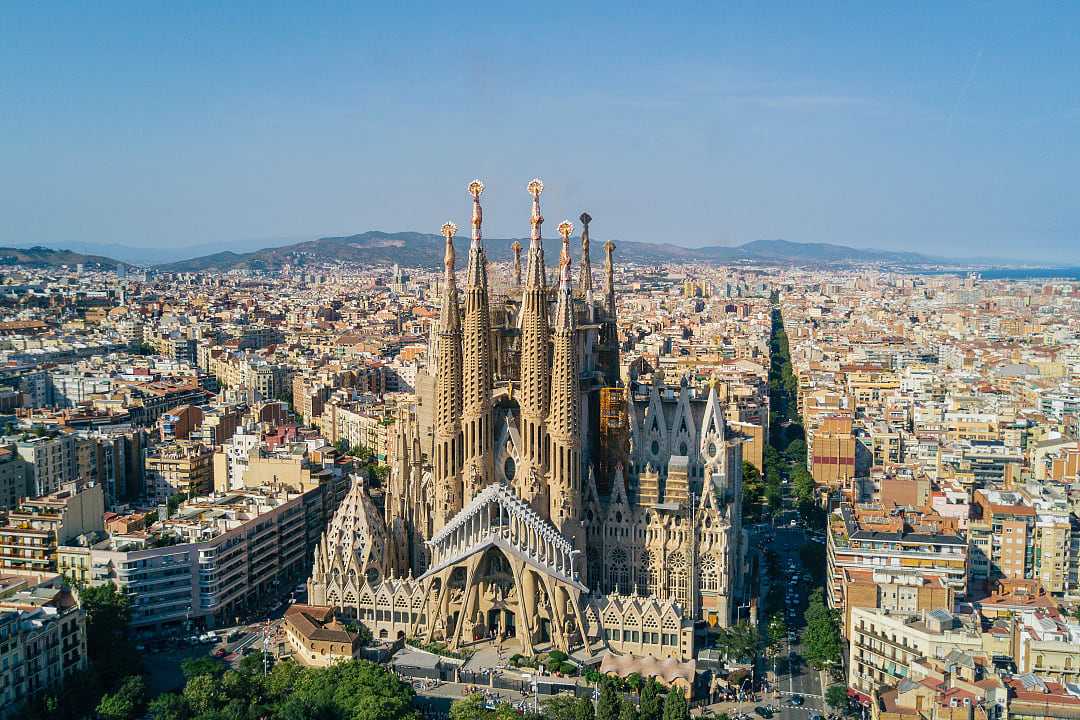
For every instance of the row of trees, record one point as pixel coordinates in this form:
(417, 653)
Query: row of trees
(822, 645)
(785, 456)
(612, 704)
(353, 690)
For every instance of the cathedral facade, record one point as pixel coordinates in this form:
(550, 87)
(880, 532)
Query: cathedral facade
(534, 499)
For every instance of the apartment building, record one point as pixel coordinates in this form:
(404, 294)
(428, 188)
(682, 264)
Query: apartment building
(360, 425)
(217, 558)
(42, 641)
(179, 467)
(884, 644)
(1002, 537)
(112, 457)
(832, 452)
(929, 555)
(894, 590)
(32, 533)
(51, 459)
(13, 472)
(959, 687)
(1048, 645)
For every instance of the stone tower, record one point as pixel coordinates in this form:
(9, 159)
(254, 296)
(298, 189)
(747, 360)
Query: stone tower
(564, 421)
(609, 331)
(585, 288)
(476, 429)
(448, 403)
(534, 396)
(516, 247)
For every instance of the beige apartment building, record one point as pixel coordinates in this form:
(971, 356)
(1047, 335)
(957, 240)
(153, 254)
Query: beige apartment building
(884, 644)
(832, 452)
(179, 467)
(938, 556)
(33, 532)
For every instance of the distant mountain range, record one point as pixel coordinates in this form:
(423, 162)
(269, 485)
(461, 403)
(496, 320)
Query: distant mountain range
(164, 253)
(411, 249)
(43, 257)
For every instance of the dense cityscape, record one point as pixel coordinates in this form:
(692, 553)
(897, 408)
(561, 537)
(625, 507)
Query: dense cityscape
(568, 487)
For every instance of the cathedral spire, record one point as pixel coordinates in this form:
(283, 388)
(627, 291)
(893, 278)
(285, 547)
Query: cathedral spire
(564, 309)
(564, 421)
(477, 433)
(449, 321)
(585, 273)
(516, 247)
(448, 393)
(477, 271)
(536, 276)
(609, 277)
(609, 330)
(535, 368)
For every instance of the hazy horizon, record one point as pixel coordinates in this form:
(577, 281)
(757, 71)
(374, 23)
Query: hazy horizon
(951, 132)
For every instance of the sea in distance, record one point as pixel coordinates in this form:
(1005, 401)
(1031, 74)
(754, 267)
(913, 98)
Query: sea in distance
(1006, 273)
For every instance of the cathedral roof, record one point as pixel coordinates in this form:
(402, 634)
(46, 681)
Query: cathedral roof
(668, 669)
(357, 528)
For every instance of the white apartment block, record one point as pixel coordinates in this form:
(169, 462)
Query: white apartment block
(218, 557)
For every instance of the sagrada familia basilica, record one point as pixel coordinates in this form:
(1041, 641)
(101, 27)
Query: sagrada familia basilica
(535, 499)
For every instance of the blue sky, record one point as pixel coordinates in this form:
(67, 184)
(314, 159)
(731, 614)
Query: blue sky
(948, 128)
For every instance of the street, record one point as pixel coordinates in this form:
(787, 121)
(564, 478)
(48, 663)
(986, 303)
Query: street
(794, 676)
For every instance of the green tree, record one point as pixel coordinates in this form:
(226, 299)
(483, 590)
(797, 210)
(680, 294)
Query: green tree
(675, 706)
(470, 707)
(607, 706)
(802, 483)
(193, 667)
(282, 679)
(649, 707)
(821, 640)
(738, 641)
(836, 697)
(241, 686)
(126, 703)
(627, 710)
(560, 707)
(796, 450)
(172, 503)
(583, 709)
(777, 633)
(812, 557)
(112, 657)
(108, 612)
(169, 706)
(252, 664)
(203, 693)
(361, 690)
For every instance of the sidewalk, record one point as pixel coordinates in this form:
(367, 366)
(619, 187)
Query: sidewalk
(729, 708)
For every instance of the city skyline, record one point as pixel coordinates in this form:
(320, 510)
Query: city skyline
(949, 134)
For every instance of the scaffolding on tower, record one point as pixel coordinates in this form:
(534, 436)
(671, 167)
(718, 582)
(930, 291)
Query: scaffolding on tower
(614, 436)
